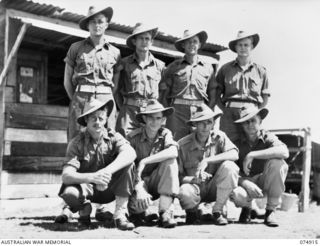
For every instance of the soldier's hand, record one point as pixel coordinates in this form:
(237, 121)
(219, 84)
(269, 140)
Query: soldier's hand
(143, 197)
(102, 178)
(252, 189)
(247, 162)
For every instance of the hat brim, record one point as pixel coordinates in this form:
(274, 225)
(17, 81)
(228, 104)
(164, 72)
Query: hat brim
(166, 112)
(108, 12)
(255, 37)
(109, 104)
(263, 112)
(203, 36)
(154, 32)
(205, 117)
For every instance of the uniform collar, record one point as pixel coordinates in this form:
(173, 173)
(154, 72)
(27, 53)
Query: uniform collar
(105, 42)
(199, 60)
(144, 136)
(195, 145)
(105, 135)
(261, 137)
(135, 58)
(236, 63)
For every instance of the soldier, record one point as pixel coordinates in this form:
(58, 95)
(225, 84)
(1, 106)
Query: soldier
(157, 168)
(206, 167)
(90, 67)
(262, 167)
(139, 78)
(186, 82)
(90, 72)
(241, 83)
(98, 167)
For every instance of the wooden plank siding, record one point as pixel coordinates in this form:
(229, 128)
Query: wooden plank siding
(37, 109)
(35, 142)
(30, 135)
(35, 149)
(28, 121)
(32, 163)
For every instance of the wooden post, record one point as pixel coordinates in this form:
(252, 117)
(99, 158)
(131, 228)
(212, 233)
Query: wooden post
(306, 168)
(13, 52)
(6, 64)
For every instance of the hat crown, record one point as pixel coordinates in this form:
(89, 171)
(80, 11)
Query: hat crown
(202, 111)
(92, 103)
(242, 34)
(92, 10)
(152, 105)
(245, 111)
(141, 27)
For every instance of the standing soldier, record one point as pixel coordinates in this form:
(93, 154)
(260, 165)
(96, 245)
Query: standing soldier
(157, 168)
(89, 72)
(206, 167)
(187, 83)
(263, 169)
(139, 78)
(241, 83)
(90, 66)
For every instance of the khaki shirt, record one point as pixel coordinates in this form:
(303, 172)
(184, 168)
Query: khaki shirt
(266, 140)
(144, 147)
(237, 84)
(86, 156)
(190, 82)
(140, 82)
(92, 65)
(191, 153)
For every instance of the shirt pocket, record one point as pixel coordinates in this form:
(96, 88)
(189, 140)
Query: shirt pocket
(254, 84)
(202, 80)
(153, 79)
(84, 63)
(232, 83)
(180, 80)
(134, 82)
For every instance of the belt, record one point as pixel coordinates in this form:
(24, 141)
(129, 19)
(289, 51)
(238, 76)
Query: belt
(94, 89)
(138, 102)
(188, 102)
(236, 104)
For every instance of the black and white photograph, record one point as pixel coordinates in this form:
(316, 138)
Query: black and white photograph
(149, 119)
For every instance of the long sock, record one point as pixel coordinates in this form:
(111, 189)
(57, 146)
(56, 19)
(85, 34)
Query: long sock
(221, 199)
(165, 203)
(121, 207)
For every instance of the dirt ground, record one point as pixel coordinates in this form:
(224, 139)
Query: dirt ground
(34, 218)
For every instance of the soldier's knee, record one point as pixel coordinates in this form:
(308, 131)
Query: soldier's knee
(240, 197)
(189, 196)
(70, 192)
(278, 165)
(229, 167)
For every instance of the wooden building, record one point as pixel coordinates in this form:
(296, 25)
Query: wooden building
(34, 39)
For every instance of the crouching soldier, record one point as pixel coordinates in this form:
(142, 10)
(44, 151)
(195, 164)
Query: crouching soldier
(263, 169)
(98, 167)
(206, 167)
(157, 168)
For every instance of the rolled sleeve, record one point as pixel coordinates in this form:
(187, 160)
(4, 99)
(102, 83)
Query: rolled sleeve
(168, 140)
(73, 155)
(70, 59)
(119, 141)
(226, 143)
(272, 140)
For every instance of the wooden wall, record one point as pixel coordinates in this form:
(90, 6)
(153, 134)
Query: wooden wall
(35, 143)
